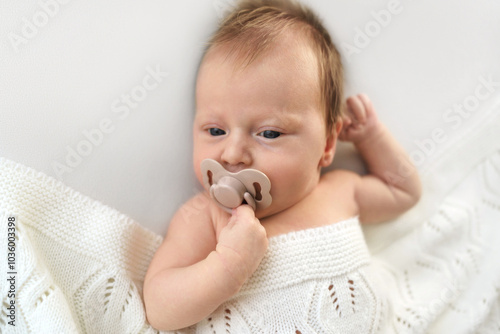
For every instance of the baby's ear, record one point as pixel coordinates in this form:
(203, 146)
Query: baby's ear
(331, 144)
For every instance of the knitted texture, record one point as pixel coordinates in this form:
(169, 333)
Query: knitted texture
(80, 264)
(445, 273)
(311, 281)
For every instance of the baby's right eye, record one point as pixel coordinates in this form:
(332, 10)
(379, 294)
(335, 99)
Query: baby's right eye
(216, 132)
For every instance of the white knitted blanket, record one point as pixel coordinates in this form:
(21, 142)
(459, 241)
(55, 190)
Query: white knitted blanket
(78, 265)
(317, 280)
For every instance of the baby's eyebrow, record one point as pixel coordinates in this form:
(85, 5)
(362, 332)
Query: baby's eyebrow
(282, 117)
(283, 121)
(206, 115)
(286, 117)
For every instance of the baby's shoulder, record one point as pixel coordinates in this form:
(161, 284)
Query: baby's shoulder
(199, 204)
(195, 211)
(200, 211)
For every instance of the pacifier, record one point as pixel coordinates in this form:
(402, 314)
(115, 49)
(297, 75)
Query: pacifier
(230, 190)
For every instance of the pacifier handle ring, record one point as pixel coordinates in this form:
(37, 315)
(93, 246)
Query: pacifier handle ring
(250, 200)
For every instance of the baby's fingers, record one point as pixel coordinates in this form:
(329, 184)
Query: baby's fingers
(367, 104)
(244, 212)
(356, 107)
(346, 122)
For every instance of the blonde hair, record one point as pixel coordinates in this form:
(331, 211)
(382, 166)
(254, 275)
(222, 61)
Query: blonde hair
(253, 26)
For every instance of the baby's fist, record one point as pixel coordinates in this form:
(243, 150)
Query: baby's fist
(360, 121)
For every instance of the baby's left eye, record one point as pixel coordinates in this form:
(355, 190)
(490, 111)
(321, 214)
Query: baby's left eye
(270, 134)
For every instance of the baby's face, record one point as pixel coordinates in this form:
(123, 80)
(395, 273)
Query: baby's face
(267, 116)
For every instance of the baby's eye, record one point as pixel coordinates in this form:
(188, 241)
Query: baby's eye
(216, 132)
(270, 134)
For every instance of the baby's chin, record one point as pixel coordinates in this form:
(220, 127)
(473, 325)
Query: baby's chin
(261, 214)
(270, 211)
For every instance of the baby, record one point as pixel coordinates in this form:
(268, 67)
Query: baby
(269, 97)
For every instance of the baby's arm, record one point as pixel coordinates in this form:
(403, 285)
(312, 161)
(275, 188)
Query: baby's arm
(196, 268)
(392, 185)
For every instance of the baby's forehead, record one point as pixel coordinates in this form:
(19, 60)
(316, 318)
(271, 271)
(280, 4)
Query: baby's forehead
(291, 47)
(284, 76)
(287, 67)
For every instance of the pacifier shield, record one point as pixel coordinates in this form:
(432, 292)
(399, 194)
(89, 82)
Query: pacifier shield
(230, 190)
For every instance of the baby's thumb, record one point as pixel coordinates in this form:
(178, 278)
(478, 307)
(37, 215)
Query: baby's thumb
(243, 211)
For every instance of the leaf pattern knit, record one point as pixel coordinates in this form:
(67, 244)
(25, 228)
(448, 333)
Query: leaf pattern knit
(311, 281)
(80, 264)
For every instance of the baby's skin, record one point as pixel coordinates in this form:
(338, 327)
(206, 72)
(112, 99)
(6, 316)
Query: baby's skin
(269, 116)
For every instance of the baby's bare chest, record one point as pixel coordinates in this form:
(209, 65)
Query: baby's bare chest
(317, 209)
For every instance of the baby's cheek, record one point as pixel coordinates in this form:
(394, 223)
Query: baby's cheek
(197, 170)
(283, 186)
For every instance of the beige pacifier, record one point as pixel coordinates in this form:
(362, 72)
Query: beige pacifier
(230, 190)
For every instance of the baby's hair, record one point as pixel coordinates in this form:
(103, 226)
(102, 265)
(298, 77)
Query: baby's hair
(254, 25)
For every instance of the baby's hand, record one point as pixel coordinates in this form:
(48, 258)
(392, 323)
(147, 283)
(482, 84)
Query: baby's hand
(242, 244)
(360, 121)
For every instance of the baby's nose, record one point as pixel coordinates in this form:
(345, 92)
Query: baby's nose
(236, 155)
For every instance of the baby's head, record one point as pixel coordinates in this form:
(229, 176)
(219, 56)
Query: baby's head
(256, 26)
(269, 96)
